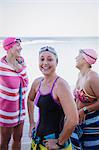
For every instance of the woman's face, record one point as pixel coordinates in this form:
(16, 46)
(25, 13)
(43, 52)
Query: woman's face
(16, 49)
(79, 60)
(47, 63)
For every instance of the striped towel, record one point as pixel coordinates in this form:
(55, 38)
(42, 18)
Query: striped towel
(10, 84)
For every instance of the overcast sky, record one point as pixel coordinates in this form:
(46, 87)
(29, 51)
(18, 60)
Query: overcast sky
(49, 17)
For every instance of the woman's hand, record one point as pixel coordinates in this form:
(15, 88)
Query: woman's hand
(31, 128)
(17, 67)
(51, 144)
(81, 116)
(19, 63)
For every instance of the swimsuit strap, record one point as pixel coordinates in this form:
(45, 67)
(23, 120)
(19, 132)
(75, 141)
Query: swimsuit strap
(40, 84)
(38, 93)
(54, 84)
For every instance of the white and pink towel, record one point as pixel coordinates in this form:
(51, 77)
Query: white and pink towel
(10, 81)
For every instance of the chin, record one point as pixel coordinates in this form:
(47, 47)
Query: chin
(76, 66)
(46, 73)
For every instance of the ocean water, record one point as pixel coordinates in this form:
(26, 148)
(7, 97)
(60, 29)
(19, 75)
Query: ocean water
(67, 49)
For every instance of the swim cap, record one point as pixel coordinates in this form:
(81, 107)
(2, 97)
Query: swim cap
(89, 55)
(9, 42)
(49, 49)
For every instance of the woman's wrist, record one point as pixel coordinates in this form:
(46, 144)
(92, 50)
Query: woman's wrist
(85, 109)
(59, 144)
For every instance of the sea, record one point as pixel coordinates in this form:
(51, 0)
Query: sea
(67, 49)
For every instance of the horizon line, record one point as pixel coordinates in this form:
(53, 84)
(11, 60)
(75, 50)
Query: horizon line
(52, 37)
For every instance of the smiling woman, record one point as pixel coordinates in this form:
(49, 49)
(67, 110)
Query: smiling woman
(51, 132)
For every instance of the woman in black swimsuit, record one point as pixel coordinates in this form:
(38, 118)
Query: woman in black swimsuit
(57, 110)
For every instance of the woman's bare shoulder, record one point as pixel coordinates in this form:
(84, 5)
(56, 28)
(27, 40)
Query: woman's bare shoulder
(93, 75)
(62, 83)
(93, 78)
(36, 81)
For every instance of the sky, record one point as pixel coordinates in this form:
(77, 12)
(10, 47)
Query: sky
(49, 18)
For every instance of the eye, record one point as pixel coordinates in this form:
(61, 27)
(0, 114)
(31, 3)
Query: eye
(50, 59)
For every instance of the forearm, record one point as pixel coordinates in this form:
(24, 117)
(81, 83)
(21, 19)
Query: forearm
(93, 107)
(30, 105)
(68, 128)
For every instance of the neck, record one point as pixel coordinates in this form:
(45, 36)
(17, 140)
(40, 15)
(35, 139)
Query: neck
(49, 79)
(84, 71)
(10, 59)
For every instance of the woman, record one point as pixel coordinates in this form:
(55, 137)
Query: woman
(57, 111)
(86, 135)
(13, 87)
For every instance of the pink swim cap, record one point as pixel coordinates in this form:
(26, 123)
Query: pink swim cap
(9, 42)
(89, 55)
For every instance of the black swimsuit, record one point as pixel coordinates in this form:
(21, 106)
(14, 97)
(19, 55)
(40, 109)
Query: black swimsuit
(51, 115)
(50, 122)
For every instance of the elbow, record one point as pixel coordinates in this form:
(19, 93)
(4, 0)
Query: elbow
(74, 121)
(28, 101)
(72, 124)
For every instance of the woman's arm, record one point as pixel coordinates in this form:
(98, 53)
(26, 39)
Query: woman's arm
(93, 79)
(94, 85)
(30, 106)
(89, 108)
(69, 106)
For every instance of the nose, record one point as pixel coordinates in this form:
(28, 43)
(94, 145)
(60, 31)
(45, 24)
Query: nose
(45, 62)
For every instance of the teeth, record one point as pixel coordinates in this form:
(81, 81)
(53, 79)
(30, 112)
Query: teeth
(44, 69)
